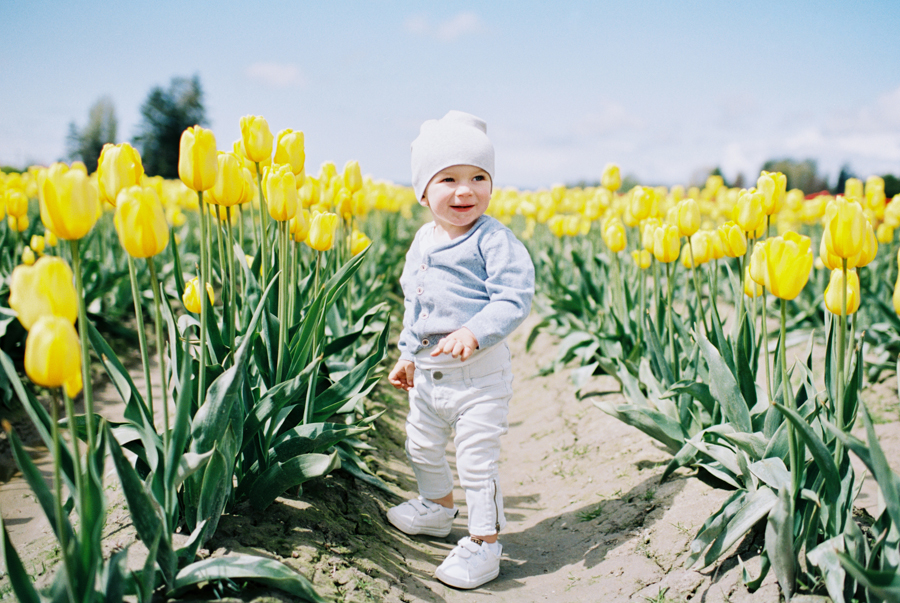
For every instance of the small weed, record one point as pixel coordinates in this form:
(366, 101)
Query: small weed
(573, 580)
(683, 528)
(592, 514)
(660, 597)
(648, 495)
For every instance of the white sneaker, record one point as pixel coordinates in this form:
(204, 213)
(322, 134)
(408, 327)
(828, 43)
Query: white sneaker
(421, 516)
(470, 564)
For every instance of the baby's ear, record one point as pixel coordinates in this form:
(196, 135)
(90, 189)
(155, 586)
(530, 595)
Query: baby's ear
(423, 201)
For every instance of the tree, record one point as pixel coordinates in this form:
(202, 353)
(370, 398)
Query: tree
(165, 115)
(800, 174)
(85, 144)
(844, 175)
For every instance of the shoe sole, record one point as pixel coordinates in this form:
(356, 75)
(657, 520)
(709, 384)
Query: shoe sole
(423, 531)
(466, 586)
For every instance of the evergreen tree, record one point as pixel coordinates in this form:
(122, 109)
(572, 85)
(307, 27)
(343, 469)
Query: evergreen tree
(165, 115)
(85, 144)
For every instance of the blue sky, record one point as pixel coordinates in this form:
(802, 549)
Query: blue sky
(665, 89)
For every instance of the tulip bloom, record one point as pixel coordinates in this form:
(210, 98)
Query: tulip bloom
(614, 236)
(734, 239)
(896, 297)
(853, 189)
(119, 167)
(687, 217)
(666, 243)
(789, 260)
(845, 230)
(748, 212)
(321, 231)
(869, 248)
(52, 352)
(233, 186)
(191, 298)
(28, 256)
(18, 224)
(141, 222)
(642, 258)
(47, 287)
(611, 179)
(37, 243)
(752, 289)
(358, 242)
(198, 165)
(257, 138)
(701, 247)
(757, 268)
(641, 200)
(834, 292)
(281, 192)
(69, 205)
(884, 234)
(772, 185)
(16, 203)
(300, 225)
(352, 176)
(289, 149)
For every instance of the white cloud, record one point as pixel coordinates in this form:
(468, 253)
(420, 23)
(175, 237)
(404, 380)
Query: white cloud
(458, 26)
(609, 117)
(275, 75)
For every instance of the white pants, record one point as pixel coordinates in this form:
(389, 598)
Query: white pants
(473, 400)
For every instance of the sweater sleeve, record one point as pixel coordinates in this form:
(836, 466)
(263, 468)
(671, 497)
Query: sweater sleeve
(510, 287)
(406, 337)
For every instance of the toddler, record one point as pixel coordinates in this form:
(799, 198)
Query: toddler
(467, 283)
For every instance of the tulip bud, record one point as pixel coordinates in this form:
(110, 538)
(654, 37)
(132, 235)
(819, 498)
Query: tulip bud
(352, 176)
(300, 225)
(37, 244)
(896, 297)
(845, 230)
(343, 203)
(772, 185)
(751, 288)
(666, 243)
(789, 260)
(834, 292)
(614, 236)
(853, 189)
(884, 234)
(18, 224)
(16, 203)
(69, 204)
(748, 212)
(140, 222)
(701, 247)
(257, 138)
(648, 232)
(44, 288)
(611, 179)
(321, 231)
(28, 256)
(191, 298)
(641, 258)
(50, 238)
(869, 249)
(281, 192)
(358, 242)
(641, 200)
(734, 239)
(234, 183)
(556, 224)
(289, 149)
(119, 167)
(688, 217)
(52, 352)
(198, 165)
(757, 268)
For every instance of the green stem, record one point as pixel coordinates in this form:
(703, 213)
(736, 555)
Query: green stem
(264, 225)
(789, 403)
(204, 301)
(57, 486)
(765, 330)
(232, 298)
(656, 296)
(282, 299)
(316, 277)
(76, 460)
(741, 295)
(87, 389)
(157, 305)
(841, 351)
(669, 321)
(142, 334)
(696, 280)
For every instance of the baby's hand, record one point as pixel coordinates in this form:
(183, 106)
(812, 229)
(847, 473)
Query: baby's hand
(459, 344)
(401, 376)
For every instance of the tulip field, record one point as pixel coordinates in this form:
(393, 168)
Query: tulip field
(269, 298)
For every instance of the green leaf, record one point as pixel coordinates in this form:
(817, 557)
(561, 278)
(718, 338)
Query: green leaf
(772, 472)
(213, 493)
(780, 542)
(313, 437)
(755, 507)
(884, 584)
(267, 572)
(355, 466)
(18, 577)
(715, 524)
(281, 476)
(724, 388)
(181, 428)
(136, 409)
(824, 557)
(819, 451)
(655, 424)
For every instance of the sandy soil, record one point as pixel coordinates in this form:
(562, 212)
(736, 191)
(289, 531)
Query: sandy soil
(588, 518)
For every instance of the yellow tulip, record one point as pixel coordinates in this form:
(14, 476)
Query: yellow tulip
(834, 292)
(611, 179)
(37, 244)
(352, 176)
(281, 192)
(141, 222)
(321, 231)
(358, 242)
(734, 239)
(789, 260)
(309, 192)
(69, 204)
(853, 189)
(845, 230)
(666, 243)
(716, 245)
(752, 289)
(688, 217)
(896, 298)
(198, 165)
(614, 236)
(701, 245)
(289, 149)
(44, 288)
(300, 225)
(191, 297)
(234, 185)
(884, 234)
(28, 256)
(257, 138)
(869, 249)
(16, 202)
(772, 185)
(18, 224)
(642, 258)
(238, 149)
(648, 231)
(556, 224)
(50, 238)
(343, 203)
(757, 268)
(119, 167)
(52, 352)
(748, 212)
(641, 201)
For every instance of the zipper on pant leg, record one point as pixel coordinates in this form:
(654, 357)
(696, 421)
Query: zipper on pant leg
(496, 507)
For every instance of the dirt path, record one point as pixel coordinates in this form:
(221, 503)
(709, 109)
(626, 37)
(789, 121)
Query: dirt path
(588, 519)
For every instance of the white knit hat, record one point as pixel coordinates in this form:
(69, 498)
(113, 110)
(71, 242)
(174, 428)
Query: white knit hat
(455, 139)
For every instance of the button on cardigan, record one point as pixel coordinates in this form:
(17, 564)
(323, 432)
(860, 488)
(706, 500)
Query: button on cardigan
(482, 280)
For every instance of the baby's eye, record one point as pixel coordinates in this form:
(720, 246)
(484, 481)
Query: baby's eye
(479, 178)
(447, 179)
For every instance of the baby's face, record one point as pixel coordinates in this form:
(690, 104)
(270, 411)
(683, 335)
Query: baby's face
(458, 196)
